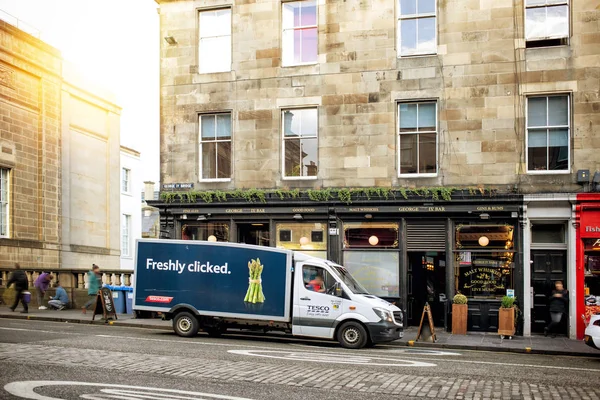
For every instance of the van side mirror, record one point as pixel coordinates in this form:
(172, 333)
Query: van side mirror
(337, 290)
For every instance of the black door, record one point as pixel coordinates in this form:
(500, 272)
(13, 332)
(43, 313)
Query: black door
(427, 281)
(548, 267)
(483, 315)
(254, 233)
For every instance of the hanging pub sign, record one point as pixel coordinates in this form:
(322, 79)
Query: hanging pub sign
(105, 305)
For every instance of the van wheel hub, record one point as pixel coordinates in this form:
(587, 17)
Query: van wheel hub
(184, 324)
(351, 335)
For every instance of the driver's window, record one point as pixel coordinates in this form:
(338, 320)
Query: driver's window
(317, 279)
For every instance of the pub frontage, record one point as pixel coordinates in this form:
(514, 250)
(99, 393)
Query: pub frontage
(409, 251)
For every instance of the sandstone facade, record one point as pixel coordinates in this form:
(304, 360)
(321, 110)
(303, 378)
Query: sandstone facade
(480, 78)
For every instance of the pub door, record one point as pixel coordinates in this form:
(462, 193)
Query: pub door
(427, 284)
(548, 267)
(254, 233)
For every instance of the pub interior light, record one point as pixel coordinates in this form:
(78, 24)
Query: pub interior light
(483, 241)
(297, 216)
(201, 218)
(373, 240)
(303, 241)
(368, 216)
(484, 216)
(212, 238)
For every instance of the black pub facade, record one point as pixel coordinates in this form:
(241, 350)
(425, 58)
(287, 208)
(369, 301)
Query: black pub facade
(408, 249)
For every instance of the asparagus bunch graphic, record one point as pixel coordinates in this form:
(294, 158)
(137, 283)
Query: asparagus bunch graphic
(255, 294)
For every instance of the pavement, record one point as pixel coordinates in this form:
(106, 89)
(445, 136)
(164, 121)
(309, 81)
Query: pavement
(57, 360)
(536, 344)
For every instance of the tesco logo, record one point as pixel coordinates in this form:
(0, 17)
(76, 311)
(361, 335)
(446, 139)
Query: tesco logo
(158, 299)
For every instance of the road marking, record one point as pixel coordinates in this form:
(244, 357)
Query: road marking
(41, 331)
(27, 390)
(331, 358)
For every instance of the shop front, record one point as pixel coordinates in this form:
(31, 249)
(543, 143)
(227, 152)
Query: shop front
(409, 255)
(588, 259)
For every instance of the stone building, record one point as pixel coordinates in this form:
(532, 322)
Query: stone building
(439, 115)
(131, 217)
(59, 162)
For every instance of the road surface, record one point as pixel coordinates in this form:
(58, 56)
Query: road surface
(49, 360)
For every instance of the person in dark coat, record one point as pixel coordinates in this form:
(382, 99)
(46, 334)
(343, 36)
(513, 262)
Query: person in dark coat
(19, 278)
(558, 307)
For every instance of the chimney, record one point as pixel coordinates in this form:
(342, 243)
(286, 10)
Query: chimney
(148, 190)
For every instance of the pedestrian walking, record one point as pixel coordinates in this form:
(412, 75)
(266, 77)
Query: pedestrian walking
(41, 285)
(19, 278)
(60, 299)
(93, 286)
(558, 307)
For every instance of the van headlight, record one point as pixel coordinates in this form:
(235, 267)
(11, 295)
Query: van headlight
(383, 314)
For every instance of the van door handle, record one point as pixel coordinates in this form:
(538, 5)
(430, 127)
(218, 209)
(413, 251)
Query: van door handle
(304, 298)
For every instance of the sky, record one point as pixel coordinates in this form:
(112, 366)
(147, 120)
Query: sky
(114, 44)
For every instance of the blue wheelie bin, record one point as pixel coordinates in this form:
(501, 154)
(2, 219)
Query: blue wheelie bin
(128, 297)
(118, 298)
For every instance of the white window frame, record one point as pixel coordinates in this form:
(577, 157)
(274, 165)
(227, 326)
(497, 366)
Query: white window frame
(437, 141)
(126, 235)
(126, 180)
(5, 202)
(546, 5)
(399, 20)
(301, 27)
(214, 10)
(547, 172)
(201, 141)
(283, 139)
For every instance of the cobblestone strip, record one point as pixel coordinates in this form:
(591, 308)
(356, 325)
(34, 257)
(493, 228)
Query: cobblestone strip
(400, 385)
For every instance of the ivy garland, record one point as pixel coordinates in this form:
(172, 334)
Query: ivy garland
(343, 195)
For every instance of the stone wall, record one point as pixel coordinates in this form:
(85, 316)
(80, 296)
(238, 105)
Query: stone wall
(30, 147)
(480, 78)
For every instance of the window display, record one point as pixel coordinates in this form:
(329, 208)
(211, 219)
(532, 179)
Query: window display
(211, 231)
(484, 260)
(592, 276)
(308, 237)
(377, 271)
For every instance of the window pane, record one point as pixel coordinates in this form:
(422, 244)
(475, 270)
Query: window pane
(557, 22)
(536, 111)
(558, 107)
(301, 236)
(202, 230)
(291, 15)
(309, 45)
(223, 18)
(408, 117)
(291, 123)
(309, 157)
(215, 54)
(308, 118)
(426, 6)
(558, 149)
(209, 24)
(309, 13)
(297, 46)
(484, 274)
(408, 36)
(537, 150)
(427, 153)
(223, 126)
(408, 154)
(209, 161)
(292, 157)
(548, 233)
(535, 19)
(224, 160)
(408, 7)
(426, 35)
(427, 117)
(377, 271)
(288, 47)
(534, 2)
(207, 126)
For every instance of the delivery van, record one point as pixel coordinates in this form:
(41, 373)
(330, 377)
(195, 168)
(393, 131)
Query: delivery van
(214, 286)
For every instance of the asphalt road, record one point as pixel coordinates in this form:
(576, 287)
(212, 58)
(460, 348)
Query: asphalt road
(47, 360)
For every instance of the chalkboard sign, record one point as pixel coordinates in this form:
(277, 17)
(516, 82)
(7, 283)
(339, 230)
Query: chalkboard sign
(427, 313)
(104, 305)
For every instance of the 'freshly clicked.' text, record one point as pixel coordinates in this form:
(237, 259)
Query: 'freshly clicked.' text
(179, 267)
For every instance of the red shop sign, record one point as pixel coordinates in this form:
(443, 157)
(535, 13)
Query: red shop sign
(589, 226)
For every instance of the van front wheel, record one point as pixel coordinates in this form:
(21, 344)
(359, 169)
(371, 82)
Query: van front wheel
(352, 335)
(185, 324)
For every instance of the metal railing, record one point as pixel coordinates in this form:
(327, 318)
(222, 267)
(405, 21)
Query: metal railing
(22, 25)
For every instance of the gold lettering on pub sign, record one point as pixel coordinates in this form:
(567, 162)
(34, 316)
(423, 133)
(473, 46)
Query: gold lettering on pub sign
(484, 279)
(364, 209)
(408, 209)
(234, 211)
(304, 210)
(490, 208)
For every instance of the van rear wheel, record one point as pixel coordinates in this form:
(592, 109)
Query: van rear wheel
(352, 335)
(185, 324)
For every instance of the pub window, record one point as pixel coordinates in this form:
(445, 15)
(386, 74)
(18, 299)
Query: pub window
(211, 231)
(417, 140)
(546, 22)
(371, 255)
(306, 237)
(300, 143)
(215, 147)
(484, 260)
(548, 133)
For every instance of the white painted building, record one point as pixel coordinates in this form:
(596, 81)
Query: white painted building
(131, 223)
